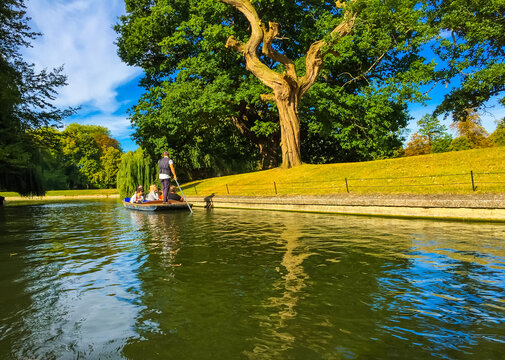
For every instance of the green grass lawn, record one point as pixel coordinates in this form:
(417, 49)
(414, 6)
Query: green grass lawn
(427, 174)
(69, 192)
(445, 173)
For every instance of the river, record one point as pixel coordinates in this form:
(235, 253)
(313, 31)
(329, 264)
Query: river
(92, 280)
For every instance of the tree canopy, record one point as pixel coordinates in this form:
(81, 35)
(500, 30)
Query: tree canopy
(314, 81)
(347, 73)
(78, 157)
(471, 42)
(26, 103)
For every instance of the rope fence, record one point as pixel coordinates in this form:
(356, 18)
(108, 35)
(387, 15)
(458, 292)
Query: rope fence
(466, 182)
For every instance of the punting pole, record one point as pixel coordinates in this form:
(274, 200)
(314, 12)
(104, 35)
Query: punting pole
(183, 196)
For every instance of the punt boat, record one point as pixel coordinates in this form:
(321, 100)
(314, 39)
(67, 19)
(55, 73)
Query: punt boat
(156, 205)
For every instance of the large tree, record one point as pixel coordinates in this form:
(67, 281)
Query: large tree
(244, 62)
(26, 98)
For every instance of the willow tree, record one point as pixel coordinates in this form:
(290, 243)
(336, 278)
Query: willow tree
(287, 87)
(136, 168)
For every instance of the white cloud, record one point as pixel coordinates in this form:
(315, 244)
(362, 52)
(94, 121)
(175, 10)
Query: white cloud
(78, 34)
(119, 125)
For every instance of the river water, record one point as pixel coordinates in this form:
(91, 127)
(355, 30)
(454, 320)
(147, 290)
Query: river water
(92, 280)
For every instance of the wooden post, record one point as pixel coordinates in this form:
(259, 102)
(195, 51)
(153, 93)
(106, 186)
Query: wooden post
(346, 185)
(275, 188)
(195, 189)
(473, 183)
(227, 190)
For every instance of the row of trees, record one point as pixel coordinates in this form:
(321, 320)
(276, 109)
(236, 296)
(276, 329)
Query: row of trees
(433, 137)
(79, 157)
(231, 84)
(25, 103)
(34, 155)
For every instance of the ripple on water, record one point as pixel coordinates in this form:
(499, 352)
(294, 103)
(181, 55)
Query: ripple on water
(94, 280)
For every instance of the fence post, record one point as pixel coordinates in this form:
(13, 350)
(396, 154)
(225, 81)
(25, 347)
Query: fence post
(473, 184)
(275, 188)
(196, 192)
(346, 185)
(227, 190)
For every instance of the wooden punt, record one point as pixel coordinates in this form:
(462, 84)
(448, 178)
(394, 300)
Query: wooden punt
(156, 205)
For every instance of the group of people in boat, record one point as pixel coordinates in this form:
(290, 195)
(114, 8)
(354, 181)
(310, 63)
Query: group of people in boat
(166, 170)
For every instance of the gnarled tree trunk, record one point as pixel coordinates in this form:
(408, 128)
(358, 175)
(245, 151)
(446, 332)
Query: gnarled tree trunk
(287, 87)
(287, 105)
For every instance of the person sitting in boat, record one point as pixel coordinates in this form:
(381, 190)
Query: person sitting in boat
(138, 197)
(172, 194)
(153, 193)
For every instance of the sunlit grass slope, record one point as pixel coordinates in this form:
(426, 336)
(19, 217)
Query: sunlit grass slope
(427, 174)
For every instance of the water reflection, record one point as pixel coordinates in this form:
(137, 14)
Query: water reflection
(94, 280)
(283, 307)
(77, 291)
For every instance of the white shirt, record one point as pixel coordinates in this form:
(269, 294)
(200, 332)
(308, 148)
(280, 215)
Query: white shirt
(135, 199)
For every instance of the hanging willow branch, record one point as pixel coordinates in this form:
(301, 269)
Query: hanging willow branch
(136, 169)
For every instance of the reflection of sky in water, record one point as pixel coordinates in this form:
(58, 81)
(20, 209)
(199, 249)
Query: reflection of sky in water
(79, 282)
(98, 281)
(448, 280)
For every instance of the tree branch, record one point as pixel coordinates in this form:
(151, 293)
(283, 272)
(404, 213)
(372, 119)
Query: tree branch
(266, 75)
(269, 36)
(267, 97)
(315, 55)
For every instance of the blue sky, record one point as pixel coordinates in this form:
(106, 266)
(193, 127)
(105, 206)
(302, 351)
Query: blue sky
(79, 35)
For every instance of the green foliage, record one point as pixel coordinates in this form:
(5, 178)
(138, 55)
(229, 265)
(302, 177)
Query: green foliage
(501, 124)
(136, 168)
(497, 138)
(430, 127)
(442, 144)
(110, 160)
(460, 143)
(25, 104)
(471, 41)
(203, 103)
(81, 156)
(432, 137)
(90, 156)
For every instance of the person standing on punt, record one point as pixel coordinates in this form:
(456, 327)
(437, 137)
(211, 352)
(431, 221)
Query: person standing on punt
(166, 169)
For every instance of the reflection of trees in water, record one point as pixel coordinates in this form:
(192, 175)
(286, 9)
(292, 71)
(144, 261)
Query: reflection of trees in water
(283, 307)
(161, 235)
(370, 285)
(344, 286)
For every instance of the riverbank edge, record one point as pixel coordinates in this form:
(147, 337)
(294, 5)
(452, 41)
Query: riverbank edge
(485, 207)
(61, 197)
(475, 207)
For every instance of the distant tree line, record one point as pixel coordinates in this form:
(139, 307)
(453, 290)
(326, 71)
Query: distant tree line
(26, 98)
(34, 155)
(78, 157)
(433, 137)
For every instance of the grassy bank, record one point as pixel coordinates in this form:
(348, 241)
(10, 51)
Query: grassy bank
(444, 173)
(87, 192)
(427, 174)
